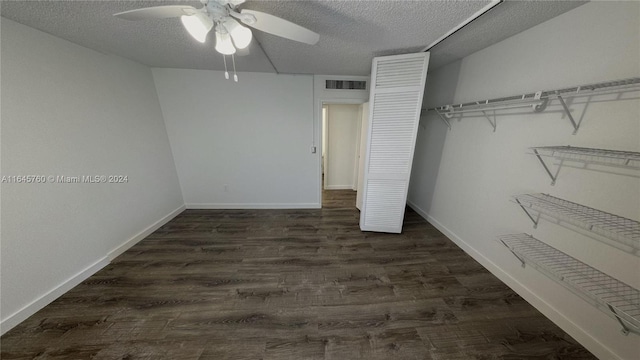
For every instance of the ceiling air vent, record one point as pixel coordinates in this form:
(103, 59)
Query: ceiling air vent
(345, 85)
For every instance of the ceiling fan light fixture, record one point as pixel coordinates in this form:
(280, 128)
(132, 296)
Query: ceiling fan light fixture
(224, 45)
(198, 25)
(240, 35)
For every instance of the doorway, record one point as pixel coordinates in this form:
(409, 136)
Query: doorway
(341, 130)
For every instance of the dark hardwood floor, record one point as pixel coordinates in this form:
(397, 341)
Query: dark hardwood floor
(290, 284)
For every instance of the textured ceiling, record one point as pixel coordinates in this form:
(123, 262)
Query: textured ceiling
(351, 32)
(503, 21)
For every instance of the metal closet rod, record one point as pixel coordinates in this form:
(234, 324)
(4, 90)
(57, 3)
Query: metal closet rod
(574, 91)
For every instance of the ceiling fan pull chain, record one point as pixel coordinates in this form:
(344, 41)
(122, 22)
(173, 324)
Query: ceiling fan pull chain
(226, 73)
(235, 74)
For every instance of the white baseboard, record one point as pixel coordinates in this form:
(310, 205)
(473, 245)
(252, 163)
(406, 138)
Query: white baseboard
(144, 233)
(240, 206)
(577, 332)
(417, 209)
(19, 316)
(338, 187)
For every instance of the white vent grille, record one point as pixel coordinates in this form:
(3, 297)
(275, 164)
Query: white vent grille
(345, 85)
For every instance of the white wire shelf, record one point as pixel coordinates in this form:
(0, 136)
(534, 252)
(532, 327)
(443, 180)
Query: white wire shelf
(610, 295)
(537, 100)
(617, 228)
(616, 158)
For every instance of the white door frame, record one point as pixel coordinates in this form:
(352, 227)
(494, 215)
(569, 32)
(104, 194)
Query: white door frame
(320, 103)
(356, 169)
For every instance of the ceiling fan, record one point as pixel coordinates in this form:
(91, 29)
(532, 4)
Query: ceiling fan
(223, 16)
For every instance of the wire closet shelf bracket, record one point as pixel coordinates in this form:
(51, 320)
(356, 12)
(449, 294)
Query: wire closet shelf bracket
(537, 101)
(610, 295)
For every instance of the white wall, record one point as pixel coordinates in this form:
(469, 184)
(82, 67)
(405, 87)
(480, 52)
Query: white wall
(241, 145)
(342, 138)
(67, 110)
(462, 179)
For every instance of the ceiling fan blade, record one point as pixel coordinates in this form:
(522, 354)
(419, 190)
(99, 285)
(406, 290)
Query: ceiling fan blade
(157, 12)
(277, 26)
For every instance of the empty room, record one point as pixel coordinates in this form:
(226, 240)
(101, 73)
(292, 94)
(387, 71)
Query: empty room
(231, 179)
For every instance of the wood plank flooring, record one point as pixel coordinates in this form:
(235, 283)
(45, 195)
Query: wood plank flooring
(290, 284)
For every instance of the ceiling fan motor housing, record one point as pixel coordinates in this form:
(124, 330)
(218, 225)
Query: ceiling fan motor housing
(217, 11)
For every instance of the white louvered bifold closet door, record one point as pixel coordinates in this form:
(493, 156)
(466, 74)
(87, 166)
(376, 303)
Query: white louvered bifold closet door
(397, 86)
